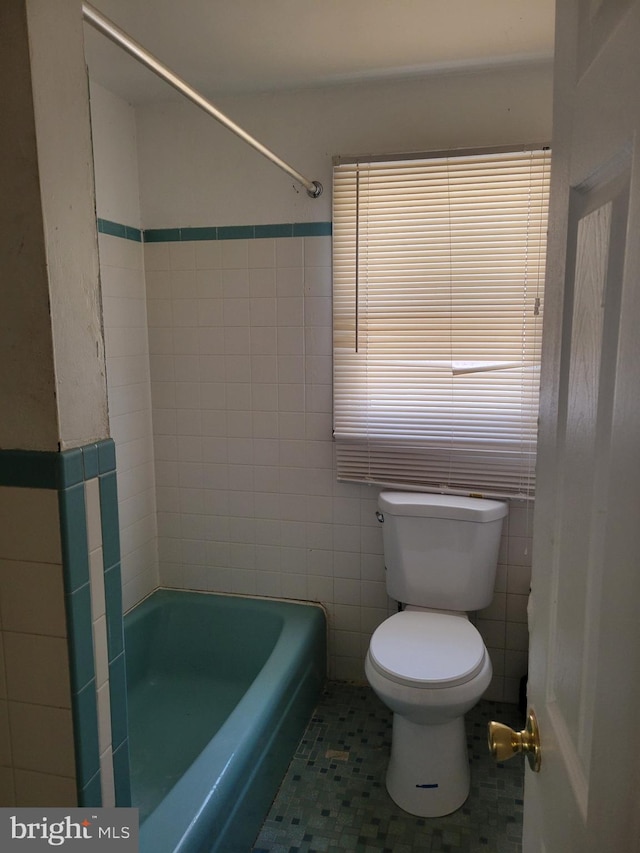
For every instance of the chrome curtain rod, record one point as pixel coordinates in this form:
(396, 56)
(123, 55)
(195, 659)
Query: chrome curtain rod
(97, 20)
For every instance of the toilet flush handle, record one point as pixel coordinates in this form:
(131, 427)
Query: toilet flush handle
(380, 517)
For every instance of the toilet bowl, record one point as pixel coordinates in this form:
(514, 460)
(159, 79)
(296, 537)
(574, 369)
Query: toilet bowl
(429, 669)
(427, 662)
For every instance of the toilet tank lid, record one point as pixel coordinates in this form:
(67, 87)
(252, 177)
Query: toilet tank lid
(441, 506)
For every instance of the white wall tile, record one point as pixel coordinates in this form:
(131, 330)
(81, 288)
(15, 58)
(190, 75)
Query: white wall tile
(290, 252)
(107, 783)
(37, 669)
(235, 254)
(258, 505)
(208, 254)
(131, 392)
(42, 739)
(43, 790)
(31, 528)
(32, 598)
(262, 252)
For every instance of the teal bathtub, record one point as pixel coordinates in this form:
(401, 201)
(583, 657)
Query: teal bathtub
(220, 689)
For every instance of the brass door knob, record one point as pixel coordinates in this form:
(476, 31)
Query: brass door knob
(504, 742)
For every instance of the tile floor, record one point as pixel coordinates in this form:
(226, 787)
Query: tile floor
(333, 797)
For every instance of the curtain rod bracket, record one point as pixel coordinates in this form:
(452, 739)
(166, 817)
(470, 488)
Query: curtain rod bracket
(317, 191)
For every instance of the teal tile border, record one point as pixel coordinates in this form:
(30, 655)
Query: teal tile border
(54, 469)
(73, 535)
(121, 775)
(91, 795)
(109, 519)
(162, 235)
(118, 698)
(113, 598)
(106, 456)
(29, 469)
(66, 472)
(90, 461)
(79, 627)
(115, 229)
(85, 712)
(224, 232)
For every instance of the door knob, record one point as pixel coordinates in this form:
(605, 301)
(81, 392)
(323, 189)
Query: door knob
(504, 742)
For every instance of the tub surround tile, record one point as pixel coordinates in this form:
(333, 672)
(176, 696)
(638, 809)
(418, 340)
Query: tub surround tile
(47, 632)
(91, 794)
(289, 351)
(7, 787)
(107, 780)
(80, 632)
(5, 735)
(113, 597)
(106, 457)
(37, 669)
(71, 468)
(48, 469)
(90, 461)
(42, 739)
(86, 736)
(101, 651)
(118, 699)
(32, 598)
(115, 229)
(31, 527)
(92, 502)
(96, 573)
(28, 469)
(121, 775)
(104, 717)
(73, 527)
(109, 519)
(36, 790)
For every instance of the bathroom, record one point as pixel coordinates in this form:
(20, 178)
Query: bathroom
(223, 447)
(251, 410)
(276, 521)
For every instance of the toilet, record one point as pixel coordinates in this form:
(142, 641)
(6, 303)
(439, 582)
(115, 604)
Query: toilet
(427, 662)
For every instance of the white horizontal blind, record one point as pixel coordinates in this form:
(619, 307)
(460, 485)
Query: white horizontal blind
(438, 284)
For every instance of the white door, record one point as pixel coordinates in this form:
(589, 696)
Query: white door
(584, 677)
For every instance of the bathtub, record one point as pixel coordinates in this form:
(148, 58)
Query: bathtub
(219, 689)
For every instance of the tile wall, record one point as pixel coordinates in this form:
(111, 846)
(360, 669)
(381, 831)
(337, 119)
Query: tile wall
(240, 356)
(35, 767)
(129, 396)
(63, 734)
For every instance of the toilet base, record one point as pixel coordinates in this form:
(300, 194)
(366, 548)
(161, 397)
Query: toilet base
(428, 773)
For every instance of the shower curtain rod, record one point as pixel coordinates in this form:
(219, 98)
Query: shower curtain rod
(97, 20)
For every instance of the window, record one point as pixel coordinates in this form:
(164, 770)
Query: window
(438, 285)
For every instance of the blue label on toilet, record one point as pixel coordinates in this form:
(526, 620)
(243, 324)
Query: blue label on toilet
(434, 785)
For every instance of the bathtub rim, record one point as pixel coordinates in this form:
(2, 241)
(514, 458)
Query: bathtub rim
(190, 812)
(245, 595)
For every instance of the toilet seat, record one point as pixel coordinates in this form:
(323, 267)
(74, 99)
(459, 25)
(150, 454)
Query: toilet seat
(425, 649)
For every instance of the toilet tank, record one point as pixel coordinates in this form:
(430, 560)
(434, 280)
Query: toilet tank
(440, 551)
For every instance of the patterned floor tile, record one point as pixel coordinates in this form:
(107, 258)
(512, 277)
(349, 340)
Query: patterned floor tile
(333, 798)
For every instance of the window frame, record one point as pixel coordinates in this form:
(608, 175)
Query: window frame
(368, 455)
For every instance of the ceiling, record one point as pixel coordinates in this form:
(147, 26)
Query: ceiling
(224, 47)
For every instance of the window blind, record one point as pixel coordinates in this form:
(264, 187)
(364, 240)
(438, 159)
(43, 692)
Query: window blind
(438, 282)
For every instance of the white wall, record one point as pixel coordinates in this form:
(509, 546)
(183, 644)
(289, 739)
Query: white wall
(126, 341)
(240, 342)
(115, 151)
(195, 172)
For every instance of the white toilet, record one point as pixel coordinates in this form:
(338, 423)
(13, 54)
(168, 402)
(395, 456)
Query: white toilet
(428, 663)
